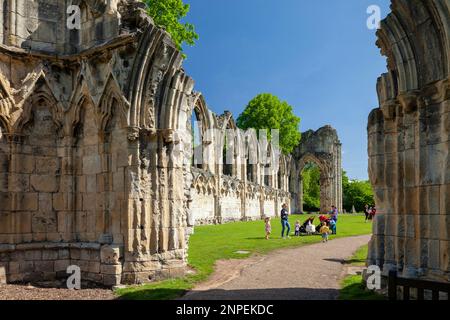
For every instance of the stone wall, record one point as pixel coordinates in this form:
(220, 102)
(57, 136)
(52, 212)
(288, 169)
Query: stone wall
(96, 148)
(323, 148)
(90, 174)
(409, 139)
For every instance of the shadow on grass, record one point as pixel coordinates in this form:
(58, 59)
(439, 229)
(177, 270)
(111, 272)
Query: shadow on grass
(353, 261)
(153, 294)
(264, 294)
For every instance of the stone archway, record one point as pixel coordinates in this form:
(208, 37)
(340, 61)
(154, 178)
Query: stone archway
(408, 137)
(323, 148)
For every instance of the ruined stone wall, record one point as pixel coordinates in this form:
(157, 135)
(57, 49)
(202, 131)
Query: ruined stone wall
(95, 148)
(90, 172)
(221, 190)
(409, 139)
(324, 149)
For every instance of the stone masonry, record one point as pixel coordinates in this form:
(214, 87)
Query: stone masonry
(95, 148)
(409, 142)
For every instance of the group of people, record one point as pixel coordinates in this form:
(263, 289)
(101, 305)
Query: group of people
(369, 212)
(327, 225)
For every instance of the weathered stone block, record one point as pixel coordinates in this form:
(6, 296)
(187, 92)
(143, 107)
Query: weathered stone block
(49, 255)
(62, 265)
(26, 201)
(33, 255)
(44, 266)
(111, 269)
(110, 254)
(14, 267)
(44, 183)
(111, 280)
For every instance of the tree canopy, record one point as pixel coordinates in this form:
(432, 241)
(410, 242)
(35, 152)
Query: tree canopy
(356, 193)
(267, 111)
(168, 14)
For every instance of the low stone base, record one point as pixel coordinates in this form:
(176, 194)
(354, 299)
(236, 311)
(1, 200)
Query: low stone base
(37, 262)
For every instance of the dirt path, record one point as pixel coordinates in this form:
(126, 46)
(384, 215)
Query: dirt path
(27, 292)
(306, 273)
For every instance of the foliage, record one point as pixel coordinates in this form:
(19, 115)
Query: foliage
(168, 14)
(357, 193)
(267, 111)
(311, 188)
(218, 242)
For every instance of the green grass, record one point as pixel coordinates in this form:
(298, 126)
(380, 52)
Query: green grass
(360, 256)
(219, 242)
(352, 287)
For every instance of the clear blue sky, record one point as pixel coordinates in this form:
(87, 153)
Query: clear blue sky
(317, 55)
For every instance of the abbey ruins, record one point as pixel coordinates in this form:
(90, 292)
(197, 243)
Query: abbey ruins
(98, 163)
(409, 138)
(98, 167)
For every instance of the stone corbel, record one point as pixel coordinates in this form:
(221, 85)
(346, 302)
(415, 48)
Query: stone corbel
(388, 109)
(436, 92)
(133, 133)
(409, 101)
(170, 136)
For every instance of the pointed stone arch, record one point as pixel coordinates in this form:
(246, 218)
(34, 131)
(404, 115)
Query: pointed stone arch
(408, 142)
(41, 94)
(323, 148)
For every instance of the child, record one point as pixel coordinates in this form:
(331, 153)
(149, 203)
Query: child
(297, 228)
(333, 226)
(324, 230)
(268, 227)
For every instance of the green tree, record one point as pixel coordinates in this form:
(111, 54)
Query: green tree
(356, 193)
(168, 14)
(311, 187)
(267, 111)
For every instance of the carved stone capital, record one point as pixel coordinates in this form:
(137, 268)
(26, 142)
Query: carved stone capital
(133, 133)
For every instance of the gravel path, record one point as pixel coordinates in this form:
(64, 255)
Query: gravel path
(24, 292)
(310, 272)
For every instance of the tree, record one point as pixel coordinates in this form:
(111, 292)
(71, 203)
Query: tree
(311, 187)
(167, 14)
(267, 111)
(356, 193)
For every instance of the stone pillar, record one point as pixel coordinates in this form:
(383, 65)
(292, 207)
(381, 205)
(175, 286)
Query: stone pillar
(409, 143)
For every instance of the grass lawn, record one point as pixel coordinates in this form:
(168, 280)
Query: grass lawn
(352, 287)
(218, 242)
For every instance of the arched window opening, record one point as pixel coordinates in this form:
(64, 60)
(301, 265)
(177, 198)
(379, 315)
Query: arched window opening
(310, 178)
(266, 174)
(280, 180)
(227, 157)
(251, 157)
(197, 141)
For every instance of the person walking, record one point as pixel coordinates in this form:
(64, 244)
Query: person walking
(366, 212)
(285, 222)
(372, 213)
(324, 231)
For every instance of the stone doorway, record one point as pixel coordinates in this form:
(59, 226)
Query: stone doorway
(323, 148)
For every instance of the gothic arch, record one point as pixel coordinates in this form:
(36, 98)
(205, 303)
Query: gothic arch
(41, 94)
(323, 148)
(409, 128)
(204, 117)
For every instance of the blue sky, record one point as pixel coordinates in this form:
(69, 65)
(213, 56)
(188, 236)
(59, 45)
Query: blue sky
(317, 55)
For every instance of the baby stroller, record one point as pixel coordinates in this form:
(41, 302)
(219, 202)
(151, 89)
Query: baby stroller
(310, 228)
(305, 226)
